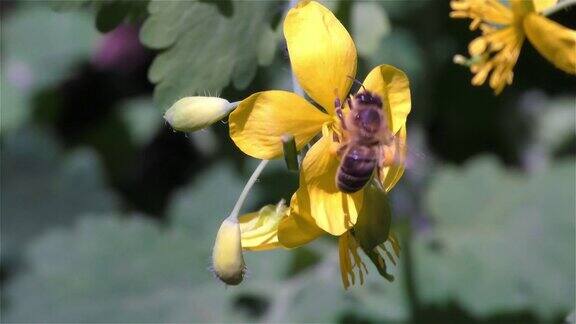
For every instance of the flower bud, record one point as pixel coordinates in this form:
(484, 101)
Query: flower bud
(227, 259)
(193, 113)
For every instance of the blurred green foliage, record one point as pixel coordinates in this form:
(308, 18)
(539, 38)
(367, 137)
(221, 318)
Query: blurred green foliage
(109, 216)
(109, 13)
(31, 62)
(42, 187)
(205, 50)
(500, 239)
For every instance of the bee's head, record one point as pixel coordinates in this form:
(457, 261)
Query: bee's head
(367, 118)
(367, 113)
(367, 98)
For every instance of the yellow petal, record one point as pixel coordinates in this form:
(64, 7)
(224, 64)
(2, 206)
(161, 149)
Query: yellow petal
(393, 87)
(298, 228)
(392, 173)
(260, 229)
(490, 11)
(322, 53)
(541, 5)
(334, 211)
(258, 123)
(554, 41)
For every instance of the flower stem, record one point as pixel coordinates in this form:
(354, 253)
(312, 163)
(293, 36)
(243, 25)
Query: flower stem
(408, 274)
(559, 6)
(253, 178)
(231, 106)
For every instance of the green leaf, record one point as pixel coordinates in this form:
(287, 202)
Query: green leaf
(204, 51)
(42, 188)
(113, 13)
(501, 242)
(107, 269)
(109, 13)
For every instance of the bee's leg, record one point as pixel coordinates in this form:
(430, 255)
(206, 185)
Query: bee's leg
(379, 178)
(335, 137)
(379, 181)
(338, 106)
(341, 149)
(349, 102)
(381, 154)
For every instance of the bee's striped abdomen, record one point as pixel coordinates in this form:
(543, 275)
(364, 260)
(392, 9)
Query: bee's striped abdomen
(355, 169)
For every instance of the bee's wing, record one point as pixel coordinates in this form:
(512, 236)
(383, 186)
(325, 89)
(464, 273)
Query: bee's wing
(397, 157)
(391, 161)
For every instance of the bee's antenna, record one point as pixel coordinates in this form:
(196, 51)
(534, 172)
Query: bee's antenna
(357, 82)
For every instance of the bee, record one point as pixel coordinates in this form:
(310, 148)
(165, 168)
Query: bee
(367, 142)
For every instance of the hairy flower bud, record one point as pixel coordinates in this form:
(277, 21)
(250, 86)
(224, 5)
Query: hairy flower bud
(193, 113)
(227, 259)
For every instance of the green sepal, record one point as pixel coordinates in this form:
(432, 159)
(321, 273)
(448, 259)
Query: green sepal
(290, 152)
(373, 225)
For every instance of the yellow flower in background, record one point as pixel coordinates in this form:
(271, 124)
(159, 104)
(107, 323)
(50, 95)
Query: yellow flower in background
(504, 29)
(323, 58)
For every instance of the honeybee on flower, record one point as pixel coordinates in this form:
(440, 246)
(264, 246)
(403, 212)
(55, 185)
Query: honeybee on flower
(366, 142)
(323, 59)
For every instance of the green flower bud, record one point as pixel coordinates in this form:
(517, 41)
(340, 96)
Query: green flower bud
(190, 114)
(227, 259)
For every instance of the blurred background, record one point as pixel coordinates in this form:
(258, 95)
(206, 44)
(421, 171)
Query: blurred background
(107, 215)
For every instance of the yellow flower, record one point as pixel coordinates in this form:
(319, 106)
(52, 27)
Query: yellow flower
(274, 227)
(260, 229)
(323, 58)
(503, 32)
